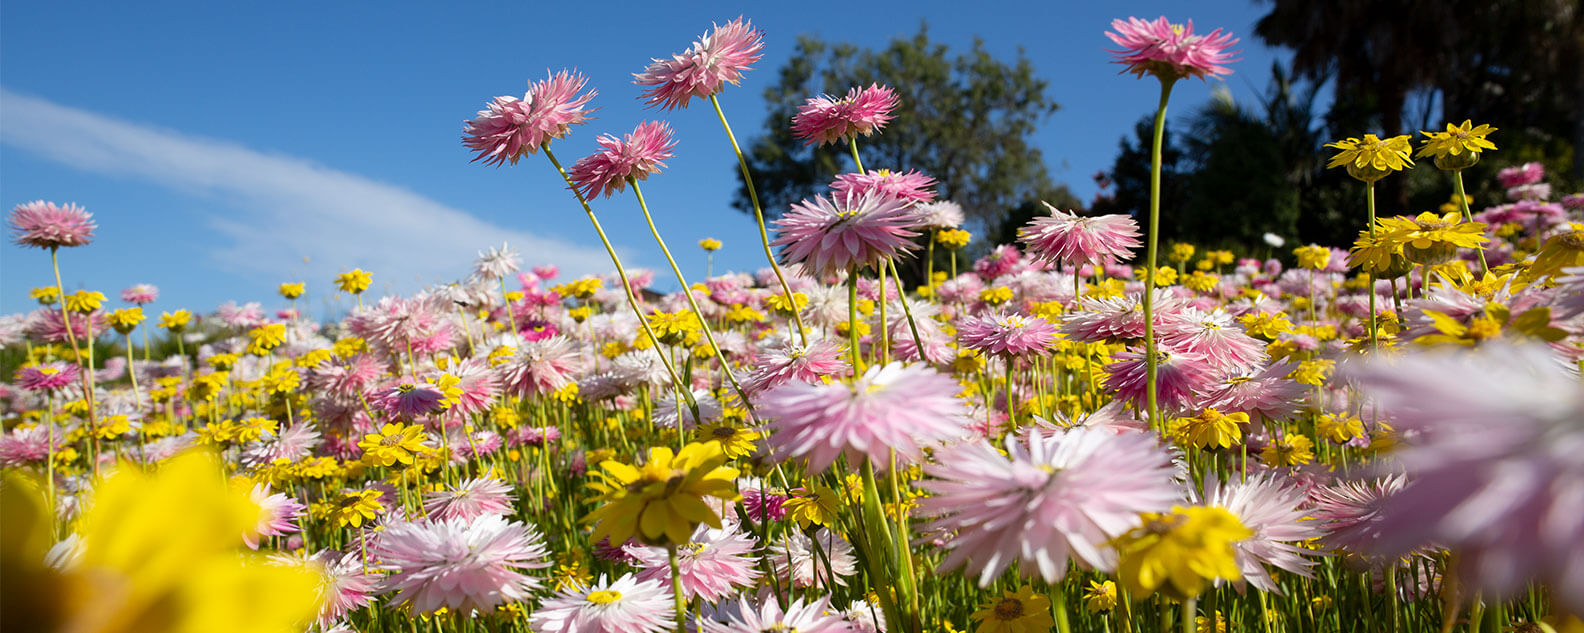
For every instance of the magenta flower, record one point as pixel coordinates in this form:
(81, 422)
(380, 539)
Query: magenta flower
(1007, 335)
(1491, 445)
(633, 157)
(474, 498)
(47, 225)
(406, 399)
(1525, 174)
(1048, 498)
(715, 564)
(22, 446)
(832, 235)
(817, 616)
(910, 187)
(1067, 238)
(895, 407)
(140, 294)
(511, 128)
(863, 111)
(277, 515)
(716, 59)
(460, 564)
(1170, 51)
(48, 376)
(1271, 508)
(626, 605)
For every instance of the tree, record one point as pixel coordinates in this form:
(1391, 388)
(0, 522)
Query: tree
(964, 120)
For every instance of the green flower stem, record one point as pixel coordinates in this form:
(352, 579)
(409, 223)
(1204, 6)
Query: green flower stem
(1369, 197)
(676, 588)
(632, 301)
(907, 312)
(764, 236)
(1058, 600)
(1188, 609)
(929, 264)
(71, 335)
(885, 330)
(1457, 183)
(852, 321)
(1151, 361)
(687, 291)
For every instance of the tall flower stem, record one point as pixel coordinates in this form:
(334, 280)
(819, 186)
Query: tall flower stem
(71, 335)
(1369, 197)
(687, 291)
(1457, 183)
(1151, 359)
(621, 273)
(764, 235)
(852, 321)
(676, 587)
(908, 313)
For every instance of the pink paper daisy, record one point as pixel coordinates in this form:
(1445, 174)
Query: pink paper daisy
(140, 294)
(1060, 495)
(511, 128)
(816, 616)
(1006, 335)
(277, 515)
(832, 235)
(348, 585)
(1067, 238)
(1181, 378)
(826, 120)
(626, 605)
(797, 363)
(476, 497)
(1170, 51)
(1264, 394)
(459, 564)
(406, 399)
(633, 157)
(718, 58)
(1349, 514)
(47, 225)
(911, 187)
(542, 367)
(800, 561)
(715, 564)
(1269, 506)
(48, 376)
(1214, 335)
(895, 407)
(21, 446)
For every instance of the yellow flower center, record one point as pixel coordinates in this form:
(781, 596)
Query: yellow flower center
(49, 371)
(604, 597)
(395, 439)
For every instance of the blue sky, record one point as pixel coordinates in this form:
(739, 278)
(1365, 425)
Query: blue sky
(227, 147)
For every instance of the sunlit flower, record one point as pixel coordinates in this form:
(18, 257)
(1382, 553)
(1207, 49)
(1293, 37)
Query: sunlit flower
(458, 563)
(510, 128)
(471, 499)
(661, 500)
(1021, 611)
(1075, 240)
(1180, 552)
(816, 616)
(633, 157)
(1458, 147)
(626, 605)
(714, 564)
(1270, 507)
(911, 187)
(833, 235)
(47, 225)
(1372, 158)
(825, 119)
(140, 294)
(717, 58)
(1170, 51)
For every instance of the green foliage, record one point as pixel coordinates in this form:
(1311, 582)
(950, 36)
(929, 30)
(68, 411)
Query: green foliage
(965, 120)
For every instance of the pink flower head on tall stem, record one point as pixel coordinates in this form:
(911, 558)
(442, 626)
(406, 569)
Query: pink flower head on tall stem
(140, 294)
(911, 187)
(50, 226)
(863, 111)
(1170, 51)
(511, 128)
(716, 59)
(1074, 240)
(633, 157)
(831, 235)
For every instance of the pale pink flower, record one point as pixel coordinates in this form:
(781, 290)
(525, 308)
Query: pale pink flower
(22, 446)
(1271, 508)
(941, 214)
(814, 617)
(833, 235)
(347, 585)
(495, 264)
(542, 367)
(633, 157)
(1170, 51)
(50, 226)
(1007, 335)
(715, 564)
(911, 187)
(406, 399)
(1525, 174)
(1214, 335)
(1181, 378)
(140, 294)
(799, 561)
(292, 444)
(892, 409)
(626, 605)
(49, 325)
(278, 515)
(1349, 513)
(797, 363)
(476, 497)
(824, 119)
(480, 385)
(510, 128)
(1067, 238)
(1491, 445)
(1264, 394)
(1051, 497)
(51, 376)
(1105, 319)
(460, 564)
(717, 58)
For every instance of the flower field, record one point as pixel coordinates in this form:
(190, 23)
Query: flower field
(1085, 430)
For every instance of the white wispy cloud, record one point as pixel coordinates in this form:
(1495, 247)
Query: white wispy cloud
(282, 208)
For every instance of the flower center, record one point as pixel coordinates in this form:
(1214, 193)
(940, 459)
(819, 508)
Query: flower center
(1009, 609)
(604, 597)
(49, 371)
(391, 440)
(723, 432)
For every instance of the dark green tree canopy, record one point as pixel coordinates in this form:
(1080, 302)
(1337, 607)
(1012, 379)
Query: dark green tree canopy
(964, 120)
